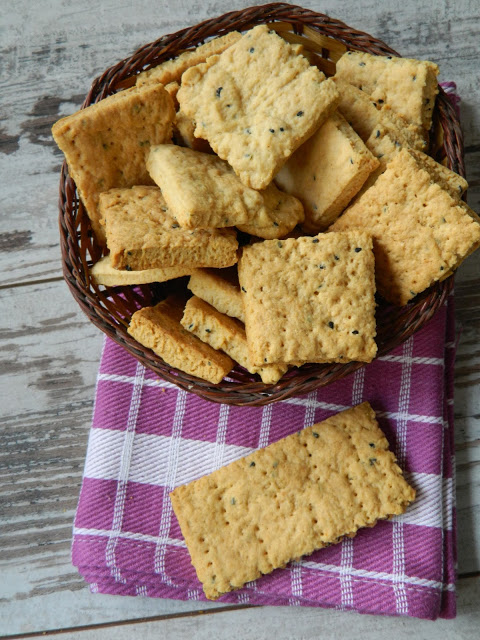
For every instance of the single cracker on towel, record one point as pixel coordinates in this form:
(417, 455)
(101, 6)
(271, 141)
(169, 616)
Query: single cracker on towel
(420, 232)
(365, 116)
(202, 191)
(299, 494)
(143, 234)
(408, 86)
(220, 288)
(326, 172)
(103, 273)
(225, 334)
(309, 299)
(256, 103)
(158, 328)
(172, 70)
(106, 145)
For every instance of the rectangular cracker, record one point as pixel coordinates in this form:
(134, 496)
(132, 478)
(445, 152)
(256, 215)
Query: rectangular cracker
(384, 147)
(408, 86)
(103, 273)
(326, 172)
(310, 299)
(143, 234)
(225, 334)
(106, 145)
(158, 328)
(366, 116)
(202, 191)
(299, 494)
(420, 231)
(256, 103)
(172, 70)
(220, 288)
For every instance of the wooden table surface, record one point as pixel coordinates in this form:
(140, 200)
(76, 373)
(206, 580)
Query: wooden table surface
(50, 51)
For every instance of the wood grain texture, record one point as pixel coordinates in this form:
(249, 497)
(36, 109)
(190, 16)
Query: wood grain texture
(49, 353)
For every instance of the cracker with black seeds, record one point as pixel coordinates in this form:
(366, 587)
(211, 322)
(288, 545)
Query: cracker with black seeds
(106, 145)
(158, 328)
(302, 493)
(172, 70)
(408, 86)
(103, 273)
(256, 103)
(220, 288)
(420, 232)
(143, 234)
(366, 116)
(309, 299)
(202, 191)
(225, 334)
(326, 172)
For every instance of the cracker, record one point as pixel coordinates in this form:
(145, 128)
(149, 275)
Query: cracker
(256, 103)
(309, 300)
(299, 494)
(158, 328)
(103, 273)
(106, 145)
(220, 288)
(172, 70)
(421, 233)
(365, 116)
(184, 134)
(203, 192)
(143, 234)
(326, 172)
(384, 147)
(225, 334)
(408, 86)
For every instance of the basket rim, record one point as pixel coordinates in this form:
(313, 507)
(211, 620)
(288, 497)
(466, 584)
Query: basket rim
(242, 390)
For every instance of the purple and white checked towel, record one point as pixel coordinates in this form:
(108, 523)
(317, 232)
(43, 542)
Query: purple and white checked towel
(148, 436)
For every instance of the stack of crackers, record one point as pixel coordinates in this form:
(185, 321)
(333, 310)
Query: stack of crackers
(288, 198)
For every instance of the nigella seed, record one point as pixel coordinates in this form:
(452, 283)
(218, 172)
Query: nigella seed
(372, 461)
(377, 135)
(299, 114)
(208, 330)
(361, 64)
(248, 131)
(128, 267)
(321, 266)
(315, 434)
(427, 100)
(331, 325)
(336, 257)
(218, 91)
(351, 160)
(175, 225)
(358, 249)
(275, 224)
(282, 129)
(414, 78)
(264, 359)
(233, 501)
(129, 253)
(355, 332)
(252, 49)
(442, 268)
(380, 101)
(389, 57)
(252, 464)
(397, 144)
(272, 130)
(190, 326)
(279, 245)
(244, 290)
(229, 105)
(371, 444)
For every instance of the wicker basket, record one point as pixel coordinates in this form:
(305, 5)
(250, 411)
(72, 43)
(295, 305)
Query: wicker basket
(324, 41)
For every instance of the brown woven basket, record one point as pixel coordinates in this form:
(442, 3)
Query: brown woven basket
(324, 41)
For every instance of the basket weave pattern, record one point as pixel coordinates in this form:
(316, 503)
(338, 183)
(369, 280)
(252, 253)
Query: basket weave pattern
(324, 40)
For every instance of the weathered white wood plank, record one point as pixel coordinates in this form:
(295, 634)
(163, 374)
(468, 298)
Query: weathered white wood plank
(282, 623)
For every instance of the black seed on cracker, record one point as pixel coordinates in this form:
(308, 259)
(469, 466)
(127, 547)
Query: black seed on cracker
(371, 444)
(218, 91)
(252, 49)
(372, 461)
(244, 290)
(377, 135)
(315, 240)
(355, 332)
(252, 464)
(315, 434)
(128, 267)
(299, 114)
(331, 325)
(358, 249)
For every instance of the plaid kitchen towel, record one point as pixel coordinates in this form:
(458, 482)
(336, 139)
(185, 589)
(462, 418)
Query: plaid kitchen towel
(148, 437)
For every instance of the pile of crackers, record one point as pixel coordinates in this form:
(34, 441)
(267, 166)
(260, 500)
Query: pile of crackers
(288, 198)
